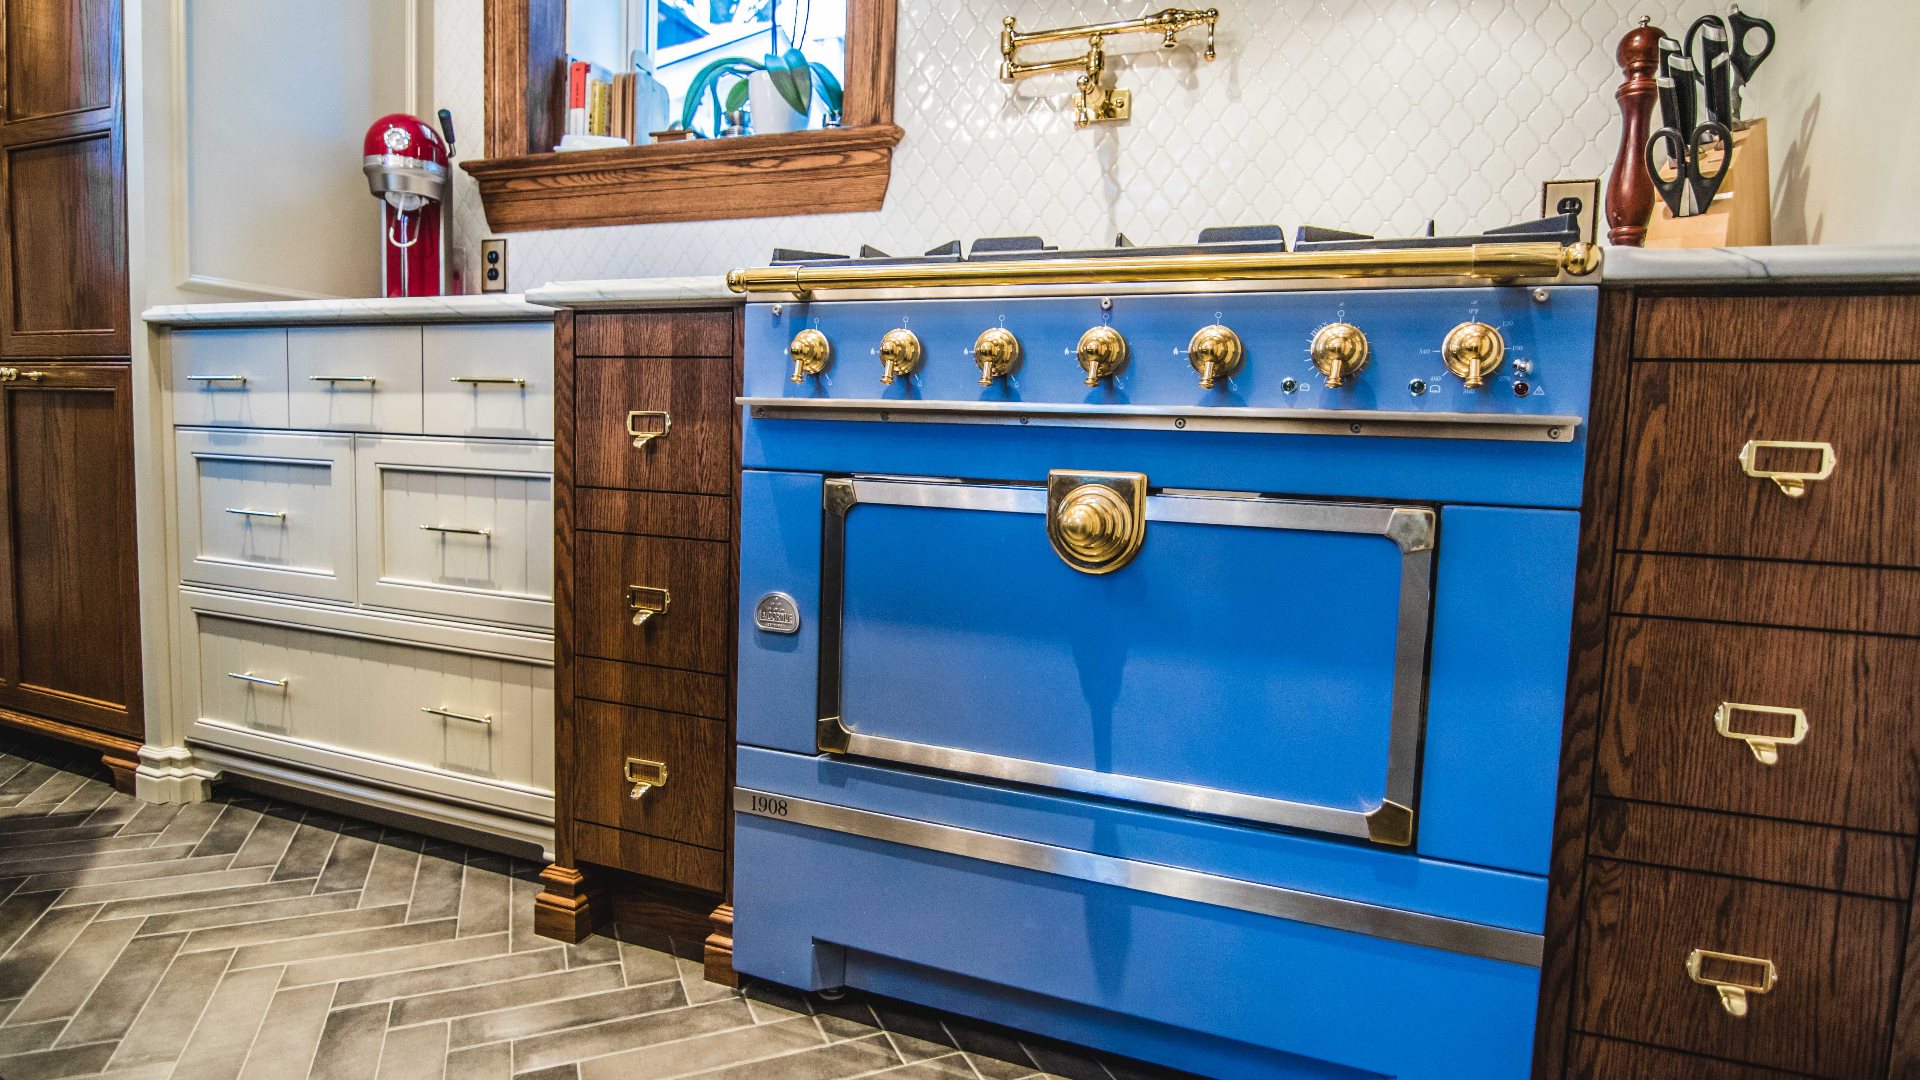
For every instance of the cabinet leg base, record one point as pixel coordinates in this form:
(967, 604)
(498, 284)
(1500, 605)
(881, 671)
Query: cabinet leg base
(719, 948)
(169, 774)
(565, 909)
(122, 766)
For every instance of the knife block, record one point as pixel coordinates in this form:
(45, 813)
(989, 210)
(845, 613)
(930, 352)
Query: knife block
(1741, 213)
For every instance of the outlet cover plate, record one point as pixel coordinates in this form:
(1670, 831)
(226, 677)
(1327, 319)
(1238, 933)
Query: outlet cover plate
(1580, 197)
(493, 265)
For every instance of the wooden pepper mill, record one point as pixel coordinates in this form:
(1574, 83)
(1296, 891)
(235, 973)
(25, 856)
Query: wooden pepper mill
(1630, 188)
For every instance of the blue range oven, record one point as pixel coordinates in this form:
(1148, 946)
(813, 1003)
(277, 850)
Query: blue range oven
(1106, 672)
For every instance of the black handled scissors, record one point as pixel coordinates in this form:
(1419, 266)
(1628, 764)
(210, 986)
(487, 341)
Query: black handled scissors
(1724, 60)
(1687, 152)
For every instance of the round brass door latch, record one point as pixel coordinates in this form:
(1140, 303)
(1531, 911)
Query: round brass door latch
(1096, 521)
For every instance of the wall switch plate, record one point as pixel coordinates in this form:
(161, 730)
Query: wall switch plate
(1581, 197)
(493, 265)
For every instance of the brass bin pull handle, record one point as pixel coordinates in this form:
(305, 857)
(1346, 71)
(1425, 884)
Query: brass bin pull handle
(1766, 748)
(642, 438)
(1733, 992)
(646, 601)
(645, 775)
(1791, 483)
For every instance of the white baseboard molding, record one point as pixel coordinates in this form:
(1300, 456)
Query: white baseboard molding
(173, 774)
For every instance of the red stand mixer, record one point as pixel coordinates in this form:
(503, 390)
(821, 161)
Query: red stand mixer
(406, 162)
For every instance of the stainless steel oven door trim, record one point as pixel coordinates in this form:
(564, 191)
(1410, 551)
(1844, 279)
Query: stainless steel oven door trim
(1411, 528)
(1337, 913)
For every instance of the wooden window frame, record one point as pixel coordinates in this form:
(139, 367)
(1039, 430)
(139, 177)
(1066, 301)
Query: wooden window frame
(525, 185)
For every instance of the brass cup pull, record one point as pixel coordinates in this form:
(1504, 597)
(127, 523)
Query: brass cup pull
(645, 775)
(1792, 483)
(1766, 748)
(642, 438)
(645, 602)
(1737, 977)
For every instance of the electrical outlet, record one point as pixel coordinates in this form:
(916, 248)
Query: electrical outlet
(493, 265)
(1578, 197)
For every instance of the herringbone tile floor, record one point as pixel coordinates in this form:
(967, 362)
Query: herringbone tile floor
(245, 939)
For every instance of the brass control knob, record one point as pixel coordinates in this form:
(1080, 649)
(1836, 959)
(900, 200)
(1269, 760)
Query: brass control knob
(1102, 352)
(811, 353)
(1340, 351)
(899, 354)
(1473, 351)
(1216, 353)
(997, 352)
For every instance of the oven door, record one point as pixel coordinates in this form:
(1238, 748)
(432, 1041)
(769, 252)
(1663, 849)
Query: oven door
(1238, 656)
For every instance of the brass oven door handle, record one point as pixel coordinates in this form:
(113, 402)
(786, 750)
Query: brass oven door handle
(241, 511)
(642, 438)
(1766, 748)
(646, 601)
(451, 715)
(368, 379)
(241, 379)
(1790, 482)
(257, 680)
(1757, 977)
(457, 530)
(489, 380)
(645, 775)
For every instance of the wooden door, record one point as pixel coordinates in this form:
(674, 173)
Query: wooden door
(69, 611)
(62, 181)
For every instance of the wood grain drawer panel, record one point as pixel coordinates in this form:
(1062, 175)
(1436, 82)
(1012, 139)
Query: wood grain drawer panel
(654, 513)
(683, 864)
(1784, 852)
(1685, 492)
(690, 807)
(1857, 766)
(691, 634)
(1778, 328)
(1808, 595)
(1591, 1058)
(1837, 958)
(696, 396)
(648, 687)
(660, 333)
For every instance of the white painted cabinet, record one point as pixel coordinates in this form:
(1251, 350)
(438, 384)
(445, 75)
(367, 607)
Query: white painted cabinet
(231, 378)
(493, 381)
(272, 512)
(354, 378)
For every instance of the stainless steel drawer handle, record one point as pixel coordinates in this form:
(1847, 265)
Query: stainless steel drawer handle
(489, 380)
(645, 775)
(642, 438)
(241, 511)
(1766, 748)
(451, 715)
(257, 680)
(1791, 483)
(646, 601)
(456, 530)
(1739, 977)
(368, 379)
(241, 379)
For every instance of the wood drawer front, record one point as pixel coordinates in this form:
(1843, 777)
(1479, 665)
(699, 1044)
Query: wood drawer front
(1837, 959)
(654, 513)
(690, 807)
(660, 333)
(1685, 491)
(696, 454)
(1778, 328)
(267, 511)
(1783, 852)
(1590, 1058)
(230, 378)
(328, 371)
(691, 634)
(367, 697)
(457, 528)
(1818, 596)
(651, 687)
(1857, 765)
(683, 864)
(488, 381)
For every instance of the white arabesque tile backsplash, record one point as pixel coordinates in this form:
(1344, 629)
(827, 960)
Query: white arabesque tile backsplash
(1366, 114)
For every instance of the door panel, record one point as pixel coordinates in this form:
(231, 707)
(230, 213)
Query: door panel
(65, 248)
(60, 56)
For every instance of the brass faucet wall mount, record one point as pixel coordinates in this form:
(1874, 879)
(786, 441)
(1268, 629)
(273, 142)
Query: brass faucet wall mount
(1095, 103)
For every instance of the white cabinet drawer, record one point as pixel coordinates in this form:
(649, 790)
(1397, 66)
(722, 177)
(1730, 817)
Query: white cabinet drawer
(230, 378)
(266, 511)
(457, 528)
(494, 381)
(444, 719)
(354, 378)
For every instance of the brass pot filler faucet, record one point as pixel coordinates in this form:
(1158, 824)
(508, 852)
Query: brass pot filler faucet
(1095, 103)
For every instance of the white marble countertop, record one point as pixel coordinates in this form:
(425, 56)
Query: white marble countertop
(493, 306)
(634, 292)
(1786, 262)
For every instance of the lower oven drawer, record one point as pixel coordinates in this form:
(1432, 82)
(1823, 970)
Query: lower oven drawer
(1832, 962)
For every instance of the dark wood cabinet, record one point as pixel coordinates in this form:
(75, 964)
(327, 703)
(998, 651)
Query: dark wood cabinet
(1740, 789)
(646, 472)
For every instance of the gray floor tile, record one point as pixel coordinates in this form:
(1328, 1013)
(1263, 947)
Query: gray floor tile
(161, 1030)
(557, 1072)
(53, 1064)
(493, 1062)
(257, 911)
(347, 865)
(228, 833)
(289, 1035)
(118, 999)
(448, 977)
(693, 977)
(390, 878)
(417, 1053)
(484, 896)
(25, 1038)
(307, 854)
(165, 886)
(641, 965)
(152, 818)
(348, 943)
(436, 889)
(998, 1056)
(521, 914)
(17, 915)
(218, 896)
(40, 948)
(111, 851)
(707, 1052)
(267, 842)
(511, 993)
(951, 1067)
(452, 951)
(835, 1061)
(218, 1048)
(292, 927)
(191, 823)
(350, 1044)
(66, 985)
(541, 1051)
(54, 790)
(1067, 1063)
(103, 875)
(527, 1020)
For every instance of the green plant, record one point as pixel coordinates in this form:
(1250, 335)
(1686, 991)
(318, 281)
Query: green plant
(795, 78)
